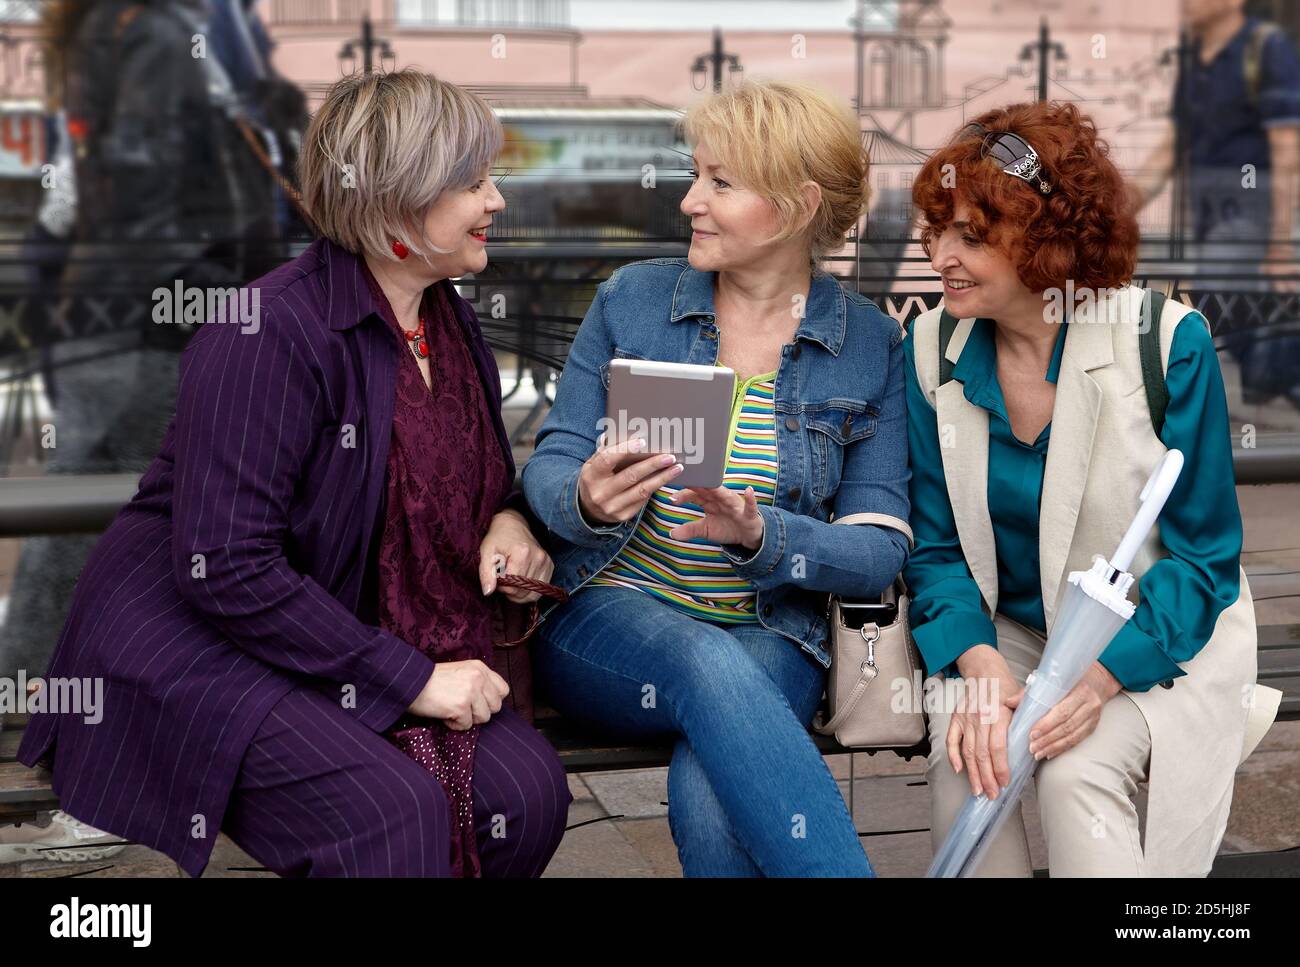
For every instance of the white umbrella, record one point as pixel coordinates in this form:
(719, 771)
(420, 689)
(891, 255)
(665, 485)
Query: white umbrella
(1094, 608)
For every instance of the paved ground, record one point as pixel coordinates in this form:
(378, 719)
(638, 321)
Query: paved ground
(889, 795)
(891, 811)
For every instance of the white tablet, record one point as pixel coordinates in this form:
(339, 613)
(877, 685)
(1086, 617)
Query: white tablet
(678, 408)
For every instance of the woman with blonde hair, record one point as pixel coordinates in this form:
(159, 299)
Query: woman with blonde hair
(309, 556)
(699, 614)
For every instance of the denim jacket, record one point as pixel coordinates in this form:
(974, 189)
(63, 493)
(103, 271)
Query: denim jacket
(841, 428)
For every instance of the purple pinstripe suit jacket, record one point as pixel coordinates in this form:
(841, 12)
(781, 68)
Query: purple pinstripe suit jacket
(239, 570)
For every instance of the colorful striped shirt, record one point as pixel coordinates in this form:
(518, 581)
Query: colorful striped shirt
(695, 576)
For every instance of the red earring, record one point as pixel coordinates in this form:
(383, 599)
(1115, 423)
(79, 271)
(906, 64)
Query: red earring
(400, 250)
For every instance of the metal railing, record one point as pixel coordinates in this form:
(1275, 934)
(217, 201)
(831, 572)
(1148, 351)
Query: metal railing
(548, 289)
(87, 503)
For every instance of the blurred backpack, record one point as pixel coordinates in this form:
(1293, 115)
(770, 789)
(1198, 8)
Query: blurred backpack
(164, 149)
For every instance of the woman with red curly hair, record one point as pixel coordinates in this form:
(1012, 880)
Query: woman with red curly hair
(1030, 439)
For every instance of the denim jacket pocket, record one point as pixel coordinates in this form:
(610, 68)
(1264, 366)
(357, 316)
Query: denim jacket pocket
(832, 426)
(618, 354)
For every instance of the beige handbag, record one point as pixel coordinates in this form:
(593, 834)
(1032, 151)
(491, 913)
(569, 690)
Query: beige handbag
(870, 666)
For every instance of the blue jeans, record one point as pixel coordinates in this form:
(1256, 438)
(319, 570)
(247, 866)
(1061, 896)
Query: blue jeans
(748, 792)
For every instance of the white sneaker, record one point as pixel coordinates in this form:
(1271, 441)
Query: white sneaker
(64, 840)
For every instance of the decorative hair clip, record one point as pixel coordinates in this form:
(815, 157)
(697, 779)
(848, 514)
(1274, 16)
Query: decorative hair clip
(1013, 152)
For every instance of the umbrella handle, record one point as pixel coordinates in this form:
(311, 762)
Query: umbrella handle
(1158, 487)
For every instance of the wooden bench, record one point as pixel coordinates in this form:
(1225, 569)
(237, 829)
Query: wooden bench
(26, 792)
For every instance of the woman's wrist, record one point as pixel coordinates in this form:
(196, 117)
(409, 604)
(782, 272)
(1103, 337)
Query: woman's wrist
(1104, 681)
(979, 661)
(511, 513)
(515, 523)
(588, 518)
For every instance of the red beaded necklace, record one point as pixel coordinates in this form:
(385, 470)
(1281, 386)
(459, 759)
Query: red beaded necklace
(416, 338)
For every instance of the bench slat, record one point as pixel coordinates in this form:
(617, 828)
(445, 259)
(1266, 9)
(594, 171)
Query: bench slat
(1279, 636)
(18, 783)
(24, 793)
(9, 740)
(584, 750)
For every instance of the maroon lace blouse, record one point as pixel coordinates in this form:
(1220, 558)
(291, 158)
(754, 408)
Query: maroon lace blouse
(446, 478)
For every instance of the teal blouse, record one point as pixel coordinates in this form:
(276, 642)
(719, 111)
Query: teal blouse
(1181, 596)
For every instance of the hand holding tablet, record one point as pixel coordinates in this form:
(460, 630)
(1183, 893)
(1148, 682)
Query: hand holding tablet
(618, 479)
(669, 423)
(665, 423)
(678, 408)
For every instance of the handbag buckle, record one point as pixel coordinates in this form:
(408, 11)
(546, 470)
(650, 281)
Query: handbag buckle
(870, 639)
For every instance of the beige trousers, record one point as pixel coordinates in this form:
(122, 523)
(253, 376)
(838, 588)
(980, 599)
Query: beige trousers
(1087, 796)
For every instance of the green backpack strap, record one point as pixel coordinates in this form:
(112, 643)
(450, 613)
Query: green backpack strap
(947, 326)
(1153, 373)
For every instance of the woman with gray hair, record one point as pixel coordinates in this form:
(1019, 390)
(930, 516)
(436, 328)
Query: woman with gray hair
(309, 556)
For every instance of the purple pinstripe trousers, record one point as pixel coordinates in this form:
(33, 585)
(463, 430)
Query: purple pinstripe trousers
(319, 794)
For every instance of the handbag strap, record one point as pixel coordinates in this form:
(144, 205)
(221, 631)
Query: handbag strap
(882, 520)
(535, 614)
(869, 673)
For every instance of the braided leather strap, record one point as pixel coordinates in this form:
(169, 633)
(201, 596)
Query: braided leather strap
(535, 614)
